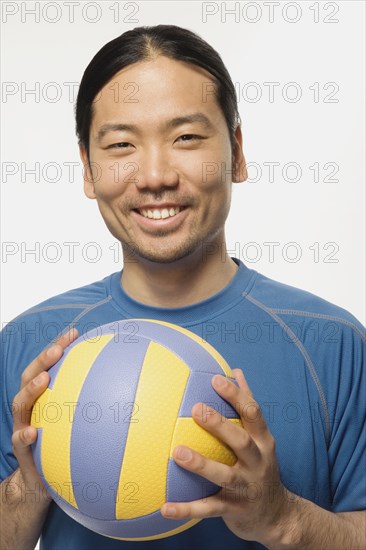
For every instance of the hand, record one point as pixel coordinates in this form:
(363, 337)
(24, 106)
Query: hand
(252, 501)
(34, 381)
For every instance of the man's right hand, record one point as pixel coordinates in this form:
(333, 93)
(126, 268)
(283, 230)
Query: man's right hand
(24, 499)
(34, 382)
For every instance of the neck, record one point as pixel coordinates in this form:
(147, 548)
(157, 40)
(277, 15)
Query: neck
(177, 284)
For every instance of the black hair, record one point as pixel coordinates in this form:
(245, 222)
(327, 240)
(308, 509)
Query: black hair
(143, 43)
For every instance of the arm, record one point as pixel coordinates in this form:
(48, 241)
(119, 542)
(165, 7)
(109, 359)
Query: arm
(314, 527)
(23, 511)
(253, 501)
(24, 500)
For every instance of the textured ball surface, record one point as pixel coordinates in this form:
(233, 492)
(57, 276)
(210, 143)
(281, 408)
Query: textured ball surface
(119, 401)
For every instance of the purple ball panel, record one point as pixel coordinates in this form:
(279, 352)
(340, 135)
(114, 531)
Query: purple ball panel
(129, 328)
(101, 423)
(146, 526)
(95, 333)
(190, 351)
(184, 486)
(199, 389)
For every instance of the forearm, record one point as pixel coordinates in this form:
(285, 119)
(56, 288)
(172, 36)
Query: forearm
(308, 526)
(22, 513)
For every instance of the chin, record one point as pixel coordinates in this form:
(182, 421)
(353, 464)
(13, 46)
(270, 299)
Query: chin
(164, 255)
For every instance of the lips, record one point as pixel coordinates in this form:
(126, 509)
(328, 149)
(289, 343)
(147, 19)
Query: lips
(159, 220)
(160, 213)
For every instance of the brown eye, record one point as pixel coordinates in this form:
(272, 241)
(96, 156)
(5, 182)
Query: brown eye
(189, 137)
(120, 145)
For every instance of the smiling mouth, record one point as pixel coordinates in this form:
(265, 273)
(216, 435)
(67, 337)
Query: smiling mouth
(159, 213)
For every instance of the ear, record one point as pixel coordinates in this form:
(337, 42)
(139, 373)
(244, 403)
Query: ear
(88, 175)
(239, 165)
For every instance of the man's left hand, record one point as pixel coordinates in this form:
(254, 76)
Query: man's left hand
(252, 501)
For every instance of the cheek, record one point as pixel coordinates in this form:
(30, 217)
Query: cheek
(210, 170)
(111, 178)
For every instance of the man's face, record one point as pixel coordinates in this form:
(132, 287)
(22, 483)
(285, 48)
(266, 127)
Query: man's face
(162, 160)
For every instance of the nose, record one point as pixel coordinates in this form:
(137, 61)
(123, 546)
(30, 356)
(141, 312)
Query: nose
(155, 171)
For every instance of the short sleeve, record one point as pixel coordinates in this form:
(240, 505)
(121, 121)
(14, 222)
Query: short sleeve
(347, 449)
(19, 345)
(8, 462)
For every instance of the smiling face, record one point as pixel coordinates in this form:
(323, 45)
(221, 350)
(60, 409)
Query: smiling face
(162, 160)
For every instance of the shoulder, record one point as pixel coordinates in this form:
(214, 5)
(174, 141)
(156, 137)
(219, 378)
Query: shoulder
(290, 303)
(23, 338)
(330, 342)
(74, 299)
(26, 335)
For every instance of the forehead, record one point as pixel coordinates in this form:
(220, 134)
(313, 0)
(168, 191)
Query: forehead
(156, 90)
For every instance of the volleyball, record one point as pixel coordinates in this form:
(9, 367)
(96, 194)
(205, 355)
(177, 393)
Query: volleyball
(119, 401)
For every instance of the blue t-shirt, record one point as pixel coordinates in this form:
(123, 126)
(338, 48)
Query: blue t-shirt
(302, 358)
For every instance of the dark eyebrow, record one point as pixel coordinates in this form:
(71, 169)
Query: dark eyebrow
(195, 117)
(103, 130)
(171, 124)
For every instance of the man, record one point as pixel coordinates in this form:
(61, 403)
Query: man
(299, 480)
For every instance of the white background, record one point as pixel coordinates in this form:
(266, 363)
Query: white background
(258, 46)
(324, 127)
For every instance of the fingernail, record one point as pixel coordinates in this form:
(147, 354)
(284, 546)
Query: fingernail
(51, 351)
(38, 379)
(219, 381)
(28, 433)
(184, 454)
(170, 511)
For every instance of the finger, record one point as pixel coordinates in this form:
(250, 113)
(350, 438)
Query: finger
(48, 357)
(210, 507)
(67, 338)
(239, 377)
(245, 405)
(216, 472)
(22, 441)
(252, 410)
(233, 435)
(25, 399)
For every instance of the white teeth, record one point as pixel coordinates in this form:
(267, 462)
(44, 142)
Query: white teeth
(160, 214)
